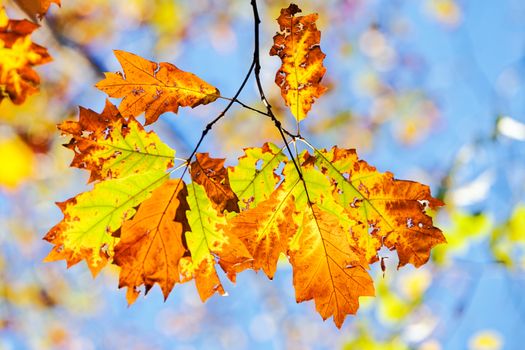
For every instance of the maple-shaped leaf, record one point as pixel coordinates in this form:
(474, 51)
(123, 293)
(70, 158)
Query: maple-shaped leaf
(297, 44)
(266, 229)
(325, 267)
(91, 218)
(254, 178)
(154, 88)
(111, 146)
(208, 241)
(18, 54)
(213, 176)
(36, 8)
(393, 210)
(151, 246)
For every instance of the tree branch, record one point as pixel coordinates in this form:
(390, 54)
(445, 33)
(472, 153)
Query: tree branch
(277, 123)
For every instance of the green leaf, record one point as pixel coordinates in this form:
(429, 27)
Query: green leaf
(254, 179)
(91, 218)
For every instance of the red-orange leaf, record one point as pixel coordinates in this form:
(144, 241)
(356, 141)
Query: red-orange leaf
(297, 44)
(213, 176)
(154, 88)
(18, 54)
(150, 245)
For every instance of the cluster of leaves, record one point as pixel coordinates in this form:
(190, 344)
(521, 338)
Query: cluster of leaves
(327, 211)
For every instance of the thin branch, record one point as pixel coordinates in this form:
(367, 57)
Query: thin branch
(95, 64)
(277, 123)
(223, 113)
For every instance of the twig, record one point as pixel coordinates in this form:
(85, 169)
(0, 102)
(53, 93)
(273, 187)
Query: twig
(277, 123)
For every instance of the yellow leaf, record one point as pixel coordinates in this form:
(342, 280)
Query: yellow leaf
(17, 162)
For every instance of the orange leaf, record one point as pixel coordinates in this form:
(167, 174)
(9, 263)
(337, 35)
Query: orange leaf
(206, 278)
(150, 245)
(326, 268)
(18, 54)
(266, 229)
(213, 176)
(36, 8)
(297, 44)
(393, 210)
(154, 88)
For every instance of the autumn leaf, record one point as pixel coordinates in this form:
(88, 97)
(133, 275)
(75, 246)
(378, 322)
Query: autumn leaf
(36, 8)
(325, 268)
(393, 210)
(18, 54)
(111, 146)
(151, 244)
(327, 263)
(266, 229)
(213, 176)
(254, 178)
(154, 88)
(91, 218)
(297, 44)
(208, 241)
(206, 279)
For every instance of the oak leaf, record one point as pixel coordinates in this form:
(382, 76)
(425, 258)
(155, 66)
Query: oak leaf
(111, 146)
(266, 230)
(254, 178)
(18, 54)
(151, 244)
(392, 210)
(154, 88)
(297, 44)
(92, 218)
(325, 267)
(213, 176)
(206, 279)
(209, 242)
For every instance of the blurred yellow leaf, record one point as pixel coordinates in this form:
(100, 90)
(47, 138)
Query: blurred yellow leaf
(414, 283)
(391, 307)
(17, 162)
(463, 229)
(486, 340)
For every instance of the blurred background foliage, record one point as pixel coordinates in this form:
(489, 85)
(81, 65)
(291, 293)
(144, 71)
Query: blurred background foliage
(431, 90)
